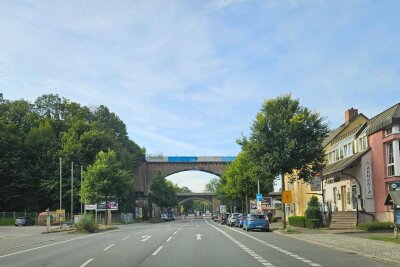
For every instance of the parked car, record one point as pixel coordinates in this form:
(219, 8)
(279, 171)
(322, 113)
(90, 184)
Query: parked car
(256, 221)
(24, 221)
(167, 217)
(239, 221)
(232, 219)
(224, 218)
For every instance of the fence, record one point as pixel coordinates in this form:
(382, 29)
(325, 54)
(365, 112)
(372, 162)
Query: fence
(15, 214)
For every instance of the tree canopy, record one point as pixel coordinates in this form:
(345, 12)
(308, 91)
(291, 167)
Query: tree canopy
(163, 192)
(33, 136)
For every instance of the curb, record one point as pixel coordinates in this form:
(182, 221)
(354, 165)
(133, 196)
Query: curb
(341, 249)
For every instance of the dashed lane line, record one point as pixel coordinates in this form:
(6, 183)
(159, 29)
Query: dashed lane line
(125, 238)
(158, 250)
(278, 248)
(108, 247)
(255, 256)
(86, 262)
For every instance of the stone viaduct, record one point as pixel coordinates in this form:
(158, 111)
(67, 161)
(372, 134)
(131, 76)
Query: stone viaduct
(169, 165)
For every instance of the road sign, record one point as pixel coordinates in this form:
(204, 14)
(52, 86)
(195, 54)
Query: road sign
(90, 206)
(259, 197)
(60, 215)
(222, 209)
(287, 197)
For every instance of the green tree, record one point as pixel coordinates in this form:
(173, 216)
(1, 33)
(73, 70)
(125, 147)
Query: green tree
(162, 192)
(286, 138)
(105, 179)
(212, 185)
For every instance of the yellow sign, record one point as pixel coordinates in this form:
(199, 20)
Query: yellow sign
(182, 209)
(287, 197)
(60, 215)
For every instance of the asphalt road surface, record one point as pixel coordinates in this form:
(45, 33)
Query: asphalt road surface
(191, 243)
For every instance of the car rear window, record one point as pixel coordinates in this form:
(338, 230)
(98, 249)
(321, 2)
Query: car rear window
(259, 217)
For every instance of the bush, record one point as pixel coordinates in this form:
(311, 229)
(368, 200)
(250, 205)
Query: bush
(7, 221)
(87, 225)
(375, 226)
(298, 221)
(274, 219)
(313, 223)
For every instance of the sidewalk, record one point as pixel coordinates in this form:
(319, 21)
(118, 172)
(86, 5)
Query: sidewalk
(351, 241)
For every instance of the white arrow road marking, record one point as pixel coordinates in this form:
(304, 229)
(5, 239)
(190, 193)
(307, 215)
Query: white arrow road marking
(198, 236)
(145, 238)
(108, 247)
(86, 263)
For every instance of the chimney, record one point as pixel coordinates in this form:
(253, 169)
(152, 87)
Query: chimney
(350, 114)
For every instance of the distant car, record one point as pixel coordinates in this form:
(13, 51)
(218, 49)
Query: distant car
(24, 221)
(224, 218)
(239, 221)
(232, 219)
(215, 217)
(167, 217)
(256, 221)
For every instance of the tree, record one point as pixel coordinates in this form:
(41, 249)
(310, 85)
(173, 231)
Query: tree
(212, 185)
(286, 138)
(162, 192)
(105, 179)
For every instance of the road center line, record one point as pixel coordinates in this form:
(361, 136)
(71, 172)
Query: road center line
(108, 247)
(125, 238)
(169, 239)
(158, 250)
(86, 262)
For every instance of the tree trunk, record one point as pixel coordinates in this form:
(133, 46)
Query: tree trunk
(106, 212)
(283, 204)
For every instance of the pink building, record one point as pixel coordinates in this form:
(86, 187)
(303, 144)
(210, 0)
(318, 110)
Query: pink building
(384, 140)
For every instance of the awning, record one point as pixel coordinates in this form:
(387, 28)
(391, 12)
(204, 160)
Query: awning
(343, 164)
(393, 198)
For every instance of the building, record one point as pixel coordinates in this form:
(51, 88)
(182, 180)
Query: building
(384, 140)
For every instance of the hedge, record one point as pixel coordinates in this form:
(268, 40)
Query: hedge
(375, 226)
(298, 221)
(313, 223)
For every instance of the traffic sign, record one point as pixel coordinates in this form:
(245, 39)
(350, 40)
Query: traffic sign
(259, 197)
(287, 197)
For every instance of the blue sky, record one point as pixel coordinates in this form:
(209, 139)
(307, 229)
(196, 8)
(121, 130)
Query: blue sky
(188, 77)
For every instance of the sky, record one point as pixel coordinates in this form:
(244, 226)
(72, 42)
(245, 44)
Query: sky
(188, 77)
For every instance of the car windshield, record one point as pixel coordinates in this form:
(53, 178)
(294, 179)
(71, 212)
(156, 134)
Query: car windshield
(258, 216)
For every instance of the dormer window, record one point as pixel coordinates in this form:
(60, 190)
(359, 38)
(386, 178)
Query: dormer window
(388, 131)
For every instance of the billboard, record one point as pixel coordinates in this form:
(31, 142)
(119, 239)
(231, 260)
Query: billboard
(315, 184)
(111, 205)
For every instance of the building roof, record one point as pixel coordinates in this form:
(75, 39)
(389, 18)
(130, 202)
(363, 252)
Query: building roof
(332, 135)
(383, 119)
(343, 164)
(335, 134)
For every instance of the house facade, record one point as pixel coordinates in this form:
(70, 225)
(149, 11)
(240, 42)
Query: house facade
(384, 140)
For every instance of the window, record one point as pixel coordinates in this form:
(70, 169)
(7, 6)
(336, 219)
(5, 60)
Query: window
(388, 131)
(341, 153)
(337, 154)
(390, 159)
(345, 151)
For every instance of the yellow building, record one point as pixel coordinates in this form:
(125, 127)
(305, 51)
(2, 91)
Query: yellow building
(302, 191)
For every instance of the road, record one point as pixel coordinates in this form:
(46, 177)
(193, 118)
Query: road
(192, 243)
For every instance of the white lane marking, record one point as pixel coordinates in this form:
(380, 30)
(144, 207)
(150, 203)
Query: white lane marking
(158, 250)
(86, 262)
(175, 232)
(169, 238)
(125, 238)
(276, 248)
(145, 238)
(108, 247)
(198, 236)
(138, 233)
(238, 243)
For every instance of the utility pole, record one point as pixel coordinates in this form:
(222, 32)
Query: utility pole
(81, 189)
(61, 187)
(60, 182)
(72, 190)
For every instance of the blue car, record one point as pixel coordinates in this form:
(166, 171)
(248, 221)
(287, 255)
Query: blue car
(256, 221)
(239, 221)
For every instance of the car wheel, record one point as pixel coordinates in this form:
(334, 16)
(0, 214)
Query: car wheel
(247, 229)
(16, 225)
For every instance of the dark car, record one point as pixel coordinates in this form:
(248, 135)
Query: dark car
(239, 221)
(24, 221)
(224, 218)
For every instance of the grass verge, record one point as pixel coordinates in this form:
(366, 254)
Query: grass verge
(386, 239)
